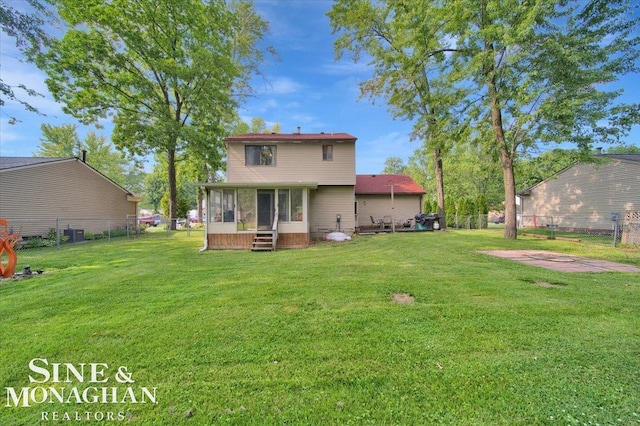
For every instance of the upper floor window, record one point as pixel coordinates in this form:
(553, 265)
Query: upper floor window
(260, 155)
(327, 152)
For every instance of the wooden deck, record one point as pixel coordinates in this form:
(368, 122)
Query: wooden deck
(377, 230)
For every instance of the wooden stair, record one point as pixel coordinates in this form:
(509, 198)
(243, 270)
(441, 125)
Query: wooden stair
(264, 241)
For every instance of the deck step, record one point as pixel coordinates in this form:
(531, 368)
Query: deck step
(263, 241)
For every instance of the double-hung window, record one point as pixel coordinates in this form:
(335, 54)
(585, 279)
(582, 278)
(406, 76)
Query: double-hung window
(260, 155)
(327, 152)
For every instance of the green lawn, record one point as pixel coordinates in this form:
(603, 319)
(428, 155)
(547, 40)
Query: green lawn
(313, 336)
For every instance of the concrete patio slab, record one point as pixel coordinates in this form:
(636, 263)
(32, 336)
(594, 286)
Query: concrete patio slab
(560, 261)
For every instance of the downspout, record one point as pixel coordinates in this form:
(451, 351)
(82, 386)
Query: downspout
(205, 246)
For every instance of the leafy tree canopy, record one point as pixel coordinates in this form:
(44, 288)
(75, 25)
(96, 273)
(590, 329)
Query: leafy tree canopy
(30, 37)
(167, 72)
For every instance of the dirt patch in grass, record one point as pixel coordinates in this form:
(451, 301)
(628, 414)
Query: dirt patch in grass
(547, 285)
(404, 298)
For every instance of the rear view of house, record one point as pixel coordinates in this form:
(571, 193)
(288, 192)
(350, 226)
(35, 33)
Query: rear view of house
(282, 190)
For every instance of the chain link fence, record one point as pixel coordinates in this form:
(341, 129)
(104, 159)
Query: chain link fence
(36, 233)
(618, 229)
(615, 230)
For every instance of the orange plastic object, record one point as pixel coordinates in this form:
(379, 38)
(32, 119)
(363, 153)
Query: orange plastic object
(7, 241)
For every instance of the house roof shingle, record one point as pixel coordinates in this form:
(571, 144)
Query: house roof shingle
(381, 184)
(14, 162)
(291, 137)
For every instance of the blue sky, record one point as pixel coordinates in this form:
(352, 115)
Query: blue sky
(305, 88)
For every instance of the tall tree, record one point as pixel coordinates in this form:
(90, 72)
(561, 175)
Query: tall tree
(59, 141)
(168, 72)
(63, 141)
(407, 50)
(27, 30)
(539, 70)
(394, 166)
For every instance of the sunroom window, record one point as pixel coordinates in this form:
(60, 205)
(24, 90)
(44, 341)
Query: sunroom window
(222, 206)
(296, 205)
(246, 209)
(283, 205)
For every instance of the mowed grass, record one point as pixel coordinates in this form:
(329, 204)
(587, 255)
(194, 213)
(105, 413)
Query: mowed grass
(313, 336)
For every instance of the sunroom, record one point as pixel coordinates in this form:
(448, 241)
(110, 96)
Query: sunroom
(257, 216)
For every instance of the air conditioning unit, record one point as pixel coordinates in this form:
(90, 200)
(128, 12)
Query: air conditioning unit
(75, 235)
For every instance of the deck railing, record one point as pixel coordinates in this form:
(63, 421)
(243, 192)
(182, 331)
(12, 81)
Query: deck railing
(274, 228)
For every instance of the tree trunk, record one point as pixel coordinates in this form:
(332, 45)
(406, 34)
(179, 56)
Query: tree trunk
(173, 191)
(437, 159)
(510, 219)
(510, 224)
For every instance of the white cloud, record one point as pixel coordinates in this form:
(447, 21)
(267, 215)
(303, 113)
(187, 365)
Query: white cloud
(284, 86)
(347, 68)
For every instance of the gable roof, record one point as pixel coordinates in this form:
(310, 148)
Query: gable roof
(627, 157)
(7, 163)
(291, 137)
(16, 163)
(381, 184)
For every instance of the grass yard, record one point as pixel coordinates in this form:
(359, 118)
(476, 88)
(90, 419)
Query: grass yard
(314, 336)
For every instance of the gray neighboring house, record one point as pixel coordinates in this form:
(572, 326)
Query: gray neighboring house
(34, 191)
(586, 193)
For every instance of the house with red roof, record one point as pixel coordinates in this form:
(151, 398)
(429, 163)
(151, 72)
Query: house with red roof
(283, 190)
(388, 200)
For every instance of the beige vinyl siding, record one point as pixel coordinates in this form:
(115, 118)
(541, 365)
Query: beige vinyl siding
(64, 189)
(326, 202)
(405, 207)
(295, 162)
(587, 190)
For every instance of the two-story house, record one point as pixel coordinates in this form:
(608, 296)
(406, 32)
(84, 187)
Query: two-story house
(281, 190)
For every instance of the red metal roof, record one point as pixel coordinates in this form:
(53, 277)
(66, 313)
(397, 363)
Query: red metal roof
(381, 184)
(291, 137)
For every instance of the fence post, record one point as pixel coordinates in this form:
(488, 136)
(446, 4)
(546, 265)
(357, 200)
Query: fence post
(58, 233)
(109, 229)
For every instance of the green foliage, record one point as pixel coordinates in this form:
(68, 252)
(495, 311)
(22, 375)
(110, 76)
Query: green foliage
(183, 207)
(623, 149)
(393, 166)
(155, 186)
(114, 233)
(508, 75)
(63, 141)
(59, 141)
(450, 210)
(430, 206)
(183, 63)
(26, 26)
